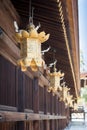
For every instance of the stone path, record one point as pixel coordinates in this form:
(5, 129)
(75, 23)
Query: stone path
(77, 126)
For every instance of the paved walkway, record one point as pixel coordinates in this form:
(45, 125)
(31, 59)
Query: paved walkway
(77, 126)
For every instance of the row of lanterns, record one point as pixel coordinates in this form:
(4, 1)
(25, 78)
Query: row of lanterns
(60, 89)
(30, 52)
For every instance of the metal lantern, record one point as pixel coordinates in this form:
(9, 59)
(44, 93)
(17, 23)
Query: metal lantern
(65, 93)
(75, 106)
(30, 47)
(55, 81)
(70, 100)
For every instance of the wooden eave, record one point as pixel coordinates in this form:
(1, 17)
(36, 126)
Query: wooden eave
(72, 13)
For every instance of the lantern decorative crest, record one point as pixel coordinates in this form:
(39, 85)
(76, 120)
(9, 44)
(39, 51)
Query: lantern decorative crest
(63, 95)
(75, 107)
(55, 81)
(70, 100)
(30, 46)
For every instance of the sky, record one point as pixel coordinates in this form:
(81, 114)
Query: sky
(82, 8)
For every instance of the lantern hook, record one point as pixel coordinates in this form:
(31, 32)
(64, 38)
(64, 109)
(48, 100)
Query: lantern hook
(46, 50)
(51, 64)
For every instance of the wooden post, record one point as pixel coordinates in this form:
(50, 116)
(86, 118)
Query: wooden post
(20, 85)
(51, 103)
(21, 91)
(45, 100)
(46, 125)
(36, 124)
(21, 125)
(35, 95)
(46, 122)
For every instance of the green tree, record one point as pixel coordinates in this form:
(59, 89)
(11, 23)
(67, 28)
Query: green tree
(84, 93)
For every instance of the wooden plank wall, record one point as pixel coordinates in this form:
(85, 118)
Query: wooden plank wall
(7, 83)
(20, 93)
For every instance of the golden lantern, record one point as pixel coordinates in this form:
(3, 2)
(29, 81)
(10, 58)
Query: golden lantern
(30, 47)
(71, 103)
(65, 93)
(75, 107)
(54, 79)
(70, 100)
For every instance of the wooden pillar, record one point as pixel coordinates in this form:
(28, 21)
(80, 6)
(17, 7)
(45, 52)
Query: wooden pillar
(59, 127)
(52, 124)
(35, 95)
(20, 87)
(56, 124)
(21, 125)
(51, 103)
(47, 125)
(45, 100)
(20, 79)
(36, 124)
(46, 122)
(56, 106)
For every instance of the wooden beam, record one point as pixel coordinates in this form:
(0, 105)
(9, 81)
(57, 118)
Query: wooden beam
(20, 116)
(11, 116)
(8, 108)
(72, 16)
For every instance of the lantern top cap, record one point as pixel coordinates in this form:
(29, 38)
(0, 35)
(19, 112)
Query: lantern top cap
(55, 73)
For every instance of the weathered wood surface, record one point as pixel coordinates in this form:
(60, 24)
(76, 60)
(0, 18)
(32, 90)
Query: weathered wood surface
(7, 83)
(8, 108)
(19, 116)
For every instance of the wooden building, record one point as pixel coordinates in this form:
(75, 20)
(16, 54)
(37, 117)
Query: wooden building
(83, 79)
(25, 103)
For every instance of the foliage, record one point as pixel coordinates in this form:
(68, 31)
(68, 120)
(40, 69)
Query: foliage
(84, 93)
(82, 62)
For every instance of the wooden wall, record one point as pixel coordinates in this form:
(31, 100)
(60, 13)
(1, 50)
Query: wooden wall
(25, 105)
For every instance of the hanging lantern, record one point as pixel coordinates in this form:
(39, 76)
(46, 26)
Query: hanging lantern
(71, 103)
(75, 106)
(70, 100)
(55, 81)
(30, 44)
(65, 93)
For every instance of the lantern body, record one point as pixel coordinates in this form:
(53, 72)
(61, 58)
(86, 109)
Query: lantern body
(75, 106)
(55, 82)
(30, 54)
(65, 93)
(70, 100)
